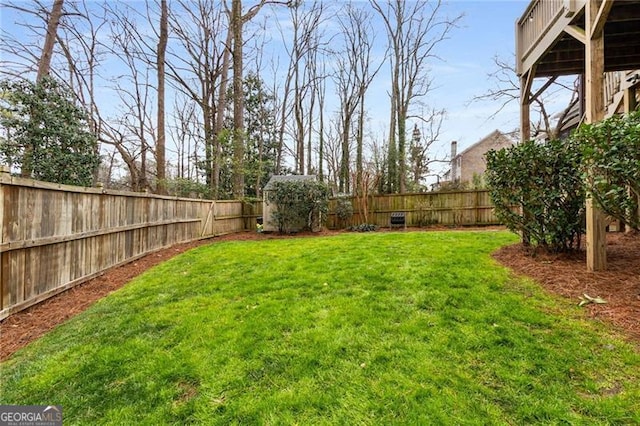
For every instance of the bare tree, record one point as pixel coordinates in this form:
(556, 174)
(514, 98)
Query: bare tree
(414, 31)
(79, 42)
(20, 56)
(266, 116)
(203, 74)
(422, 140)
(238, 20)
(361, 39)
(298, 100)
(77, 37)
(135, 126)
(320, 89)
(379, 162)
(186, 133)
(198, 65)
(506, 91)
(353, 75)
(333, 152)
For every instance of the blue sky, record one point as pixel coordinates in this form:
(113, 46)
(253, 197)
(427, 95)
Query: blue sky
(486, 30)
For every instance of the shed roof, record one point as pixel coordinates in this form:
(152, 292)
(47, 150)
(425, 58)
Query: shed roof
(289, 178)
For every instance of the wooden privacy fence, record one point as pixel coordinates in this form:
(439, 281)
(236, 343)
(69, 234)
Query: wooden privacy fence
(54, 237)
(458, 208)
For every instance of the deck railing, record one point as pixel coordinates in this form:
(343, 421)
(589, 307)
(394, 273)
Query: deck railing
(537, 20)
(612, 85)
(615, 84)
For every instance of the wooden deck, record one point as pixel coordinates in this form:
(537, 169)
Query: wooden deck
(550, 37)
(599, 39)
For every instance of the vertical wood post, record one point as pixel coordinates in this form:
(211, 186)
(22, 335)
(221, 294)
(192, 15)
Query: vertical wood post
(4, 175)
(594, 75)
(525, 107)
(525, 124)
(476, 206)
(630, 103)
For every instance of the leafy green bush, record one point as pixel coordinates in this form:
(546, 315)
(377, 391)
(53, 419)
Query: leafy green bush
(344, 209)
(478, 182)
(47, 134)
(611, 150)
(537, 190)
(300, 204)
(364, 227)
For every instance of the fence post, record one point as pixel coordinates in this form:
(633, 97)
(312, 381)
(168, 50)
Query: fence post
(5, 176)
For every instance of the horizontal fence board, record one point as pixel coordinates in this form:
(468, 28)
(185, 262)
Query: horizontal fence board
(75, 236)
(54, 237)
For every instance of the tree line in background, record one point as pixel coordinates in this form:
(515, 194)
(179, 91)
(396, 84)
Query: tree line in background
(179, 97)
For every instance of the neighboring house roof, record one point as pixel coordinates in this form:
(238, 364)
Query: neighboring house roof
(471, 160)
(289, 178)
(495, 135)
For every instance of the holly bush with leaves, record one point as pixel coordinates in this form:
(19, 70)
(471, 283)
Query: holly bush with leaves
(537, 190)
(299, 204)
(344, 209)
(45, 134)
(611, 166)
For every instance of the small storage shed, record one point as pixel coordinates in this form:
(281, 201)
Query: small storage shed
(268, 208)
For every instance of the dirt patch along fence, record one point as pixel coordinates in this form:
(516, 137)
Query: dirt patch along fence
(54, 237)
(459, 208)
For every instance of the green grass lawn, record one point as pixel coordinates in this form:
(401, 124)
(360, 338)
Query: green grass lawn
(378, 328)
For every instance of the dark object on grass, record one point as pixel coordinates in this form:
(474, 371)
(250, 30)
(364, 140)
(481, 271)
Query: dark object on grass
(398, 219)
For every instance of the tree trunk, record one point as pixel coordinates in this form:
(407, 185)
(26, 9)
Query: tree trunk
(360, 143)
(310, 134)
(402, 150)
(52, 30)
(142, 183)
(321, 143)
(160, 143)
(297, 109)
(222, 106)
(209, 143)
(238, 102)
(344, 162)
(392, 164)
(321, 93)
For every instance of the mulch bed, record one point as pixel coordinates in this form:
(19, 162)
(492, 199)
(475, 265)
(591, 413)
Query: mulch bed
(566, 275)
(562, 274)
